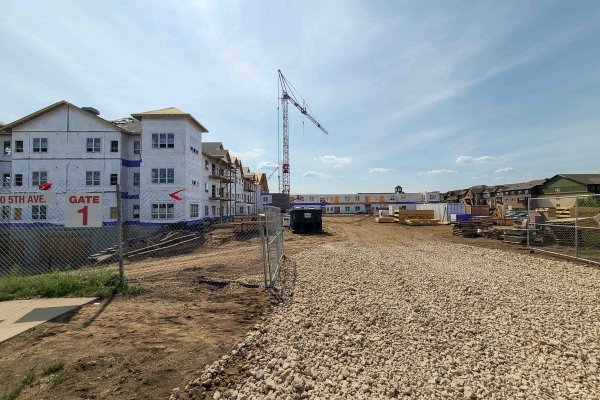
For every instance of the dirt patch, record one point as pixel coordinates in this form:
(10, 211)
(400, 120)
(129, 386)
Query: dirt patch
(141, 347)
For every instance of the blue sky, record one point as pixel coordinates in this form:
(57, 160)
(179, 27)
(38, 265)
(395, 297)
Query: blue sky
(427, 95)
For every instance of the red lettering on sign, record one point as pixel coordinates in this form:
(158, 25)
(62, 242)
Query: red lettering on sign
(84, 212)
(87, 199)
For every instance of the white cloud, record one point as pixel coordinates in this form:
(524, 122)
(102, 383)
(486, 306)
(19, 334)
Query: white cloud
(436, 172)
(377, 170)
(313, 174)
(474, 160)
(501, 170)
(249, 154)
(336, 161)
(263, 165)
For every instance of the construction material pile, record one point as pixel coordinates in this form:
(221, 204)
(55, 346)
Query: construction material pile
(248, 223)
(415, 217)
(465, 229)
(441, 321)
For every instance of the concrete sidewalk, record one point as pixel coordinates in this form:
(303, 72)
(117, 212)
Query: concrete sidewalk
(17, 316)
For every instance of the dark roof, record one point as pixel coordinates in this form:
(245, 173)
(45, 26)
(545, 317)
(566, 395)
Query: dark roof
(131, 124)
(170, 112)
(215, 150)
(478, 189)
(585, 179)
(52, 107)
(524, 185)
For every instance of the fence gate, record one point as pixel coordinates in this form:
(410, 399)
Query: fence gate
(272, 245)
(565, 225)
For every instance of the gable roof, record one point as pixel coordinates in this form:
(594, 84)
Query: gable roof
(584, 179)
(215, 150)
(169, 112)
(52, 107)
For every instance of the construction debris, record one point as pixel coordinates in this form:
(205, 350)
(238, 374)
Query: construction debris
(465, 229)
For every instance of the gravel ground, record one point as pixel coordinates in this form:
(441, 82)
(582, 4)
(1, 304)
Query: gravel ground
(429, 320)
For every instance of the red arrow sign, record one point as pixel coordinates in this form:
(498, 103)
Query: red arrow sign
(174, 195)
(46, 186)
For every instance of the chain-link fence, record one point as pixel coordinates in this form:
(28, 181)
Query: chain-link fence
(57, 230)
(272, 247)
(138, 236)
(565, 225)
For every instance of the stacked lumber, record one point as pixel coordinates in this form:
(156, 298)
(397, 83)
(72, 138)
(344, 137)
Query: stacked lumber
(382, 220)
(515, 236)
(420, 222)
(247, 223)
(464, 229)
(563, 213)
(402, 215)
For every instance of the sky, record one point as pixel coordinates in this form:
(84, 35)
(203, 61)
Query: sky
(429, 95)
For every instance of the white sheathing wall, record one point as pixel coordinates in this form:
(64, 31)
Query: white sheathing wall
(66, 160)
(5, 161)
(162, 158)
(194, 194)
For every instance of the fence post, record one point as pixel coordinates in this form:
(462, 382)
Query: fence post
(263, 241)
(576, 227)
(120, 233)
(529, 221)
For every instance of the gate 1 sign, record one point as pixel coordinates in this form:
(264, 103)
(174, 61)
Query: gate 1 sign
(29, 199)
(83, 210)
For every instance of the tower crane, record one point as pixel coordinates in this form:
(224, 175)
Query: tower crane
(288, 94)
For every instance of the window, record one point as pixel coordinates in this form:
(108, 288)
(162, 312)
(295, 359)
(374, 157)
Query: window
(114, 179)
(18, 179)
(163, 175)
(136, 147)
(40, 145)
(6, 147)
(214, 210)
(6, 180)
(194, 178)
(114, 213)
(206, 210)
(311, 198)
(162, 211)
(136, 211)
(5, 214)
(114, 146)
(214, 191)
(17, 214)
(357, 208)
(136, 179)
(347, 198)
(39, 177)
(206, 187)
(206, 165)
(93, 145)
(92, 178)
(194, 146)
(357, 198)
(347, 208)
(38, 212)
(194, 210)
(163, 140)
(18, 146)
(241, 209)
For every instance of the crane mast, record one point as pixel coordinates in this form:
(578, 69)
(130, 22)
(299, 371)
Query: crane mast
(287, 95)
